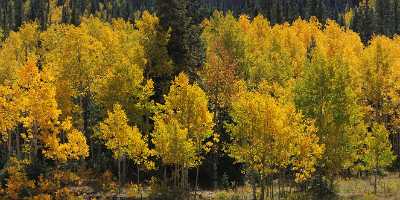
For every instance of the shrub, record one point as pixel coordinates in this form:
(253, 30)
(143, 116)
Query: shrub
(17, 183)
(225, 195)
(107, 183)
(132, 190)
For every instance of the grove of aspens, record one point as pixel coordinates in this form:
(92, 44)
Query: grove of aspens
(199, 99)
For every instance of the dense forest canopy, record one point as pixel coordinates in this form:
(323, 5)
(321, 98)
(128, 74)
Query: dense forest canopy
(166, 98)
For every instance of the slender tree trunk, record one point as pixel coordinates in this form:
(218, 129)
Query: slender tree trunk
(182, 178)
(376, 173)
(197, 179)
(9, 144)
(262, 185)
(175, 176)
(138, 175)
(165, 174)
(85, 106)
(279, 185)
(138, 182)
(272, 187)
(398, 147)
(253, 185)
(186, 179)
(18, 145)
(375, 181)
(35, 133)
(123, 169)
(119, 178)
(215, 171)
(215, 158)
(269, 189)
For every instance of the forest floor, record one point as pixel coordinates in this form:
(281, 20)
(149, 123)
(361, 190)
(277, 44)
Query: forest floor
(346, 189)
(362, 188)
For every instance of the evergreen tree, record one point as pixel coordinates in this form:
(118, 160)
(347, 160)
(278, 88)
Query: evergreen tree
(384, 16)
(40, 10)
(184, 47)
(19, 13)
(317, 8)
(364, 21)
(173, 15)
(250, 8)
(396, 16)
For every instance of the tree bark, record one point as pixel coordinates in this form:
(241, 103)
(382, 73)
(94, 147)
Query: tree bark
(138, 175)
(165, 174)
(262, 185)
(253, 185)
(17, 141)
(215, 158)
(375, 181)
(138, 182)
(9, 144)
(376, 173)
(272, 187)
(123, 169)
(119, 178)
(35, 133)
(196, 182)
(215, 171)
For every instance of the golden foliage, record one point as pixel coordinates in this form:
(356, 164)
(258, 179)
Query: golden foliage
(122, 139)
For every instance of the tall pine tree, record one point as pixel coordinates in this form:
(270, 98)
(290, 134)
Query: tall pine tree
(184, 47)
(384, 16)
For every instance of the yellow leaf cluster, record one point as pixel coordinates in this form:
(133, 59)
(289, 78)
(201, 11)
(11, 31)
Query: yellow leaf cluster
(188, 104)
(172, 143)
(268, 135)
(183, 124)
(122, 139)
(74, 149)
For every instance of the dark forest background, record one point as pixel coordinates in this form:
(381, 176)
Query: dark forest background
(370, 16)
